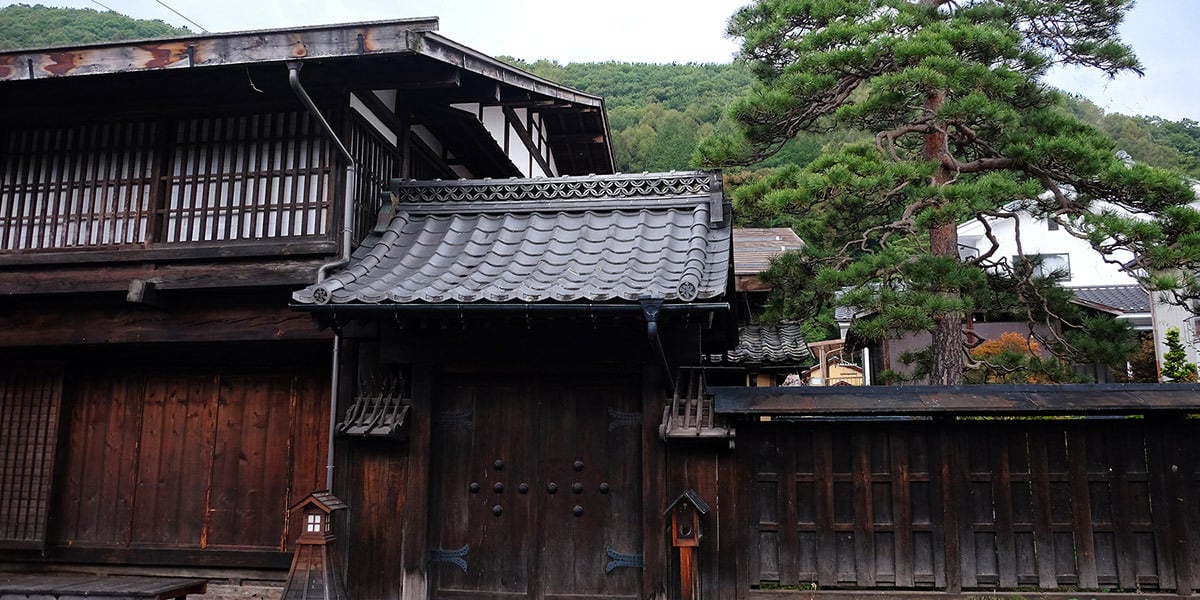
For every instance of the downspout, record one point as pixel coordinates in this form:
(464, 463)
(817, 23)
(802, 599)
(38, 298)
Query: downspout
(651, 307)
(343, 255)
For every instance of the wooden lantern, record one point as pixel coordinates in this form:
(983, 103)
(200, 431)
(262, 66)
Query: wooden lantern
(686, 534)
(315, 574)
(686, 511)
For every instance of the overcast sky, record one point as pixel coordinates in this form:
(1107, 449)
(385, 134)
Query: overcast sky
(1162, 32)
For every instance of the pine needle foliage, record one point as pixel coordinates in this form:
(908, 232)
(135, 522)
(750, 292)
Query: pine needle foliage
(964, 129)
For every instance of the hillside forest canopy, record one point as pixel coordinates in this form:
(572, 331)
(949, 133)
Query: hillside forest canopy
(660, 113)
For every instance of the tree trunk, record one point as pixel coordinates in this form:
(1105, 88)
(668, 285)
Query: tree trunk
(946, 349)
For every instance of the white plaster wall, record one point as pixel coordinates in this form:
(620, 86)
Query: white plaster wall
(361, 109)
(1088, 267)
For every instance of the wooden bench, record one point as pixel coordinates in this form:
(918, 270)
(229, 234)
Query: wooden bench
(73, 586)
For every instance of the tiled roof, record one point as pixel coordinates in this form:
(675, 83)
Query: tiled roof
(753, 248)
(782, 343)
(595, 238)
(1122, 298)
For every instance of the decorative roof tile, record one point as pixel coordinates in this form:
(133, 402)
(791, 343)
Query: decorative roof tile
(563, 239)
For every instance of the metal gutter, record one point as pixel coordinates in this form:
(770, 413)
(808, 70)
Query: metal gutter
(351, 169)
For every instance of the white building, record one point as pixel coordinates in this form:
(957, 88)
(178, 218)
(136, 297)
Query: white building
(1097, 280)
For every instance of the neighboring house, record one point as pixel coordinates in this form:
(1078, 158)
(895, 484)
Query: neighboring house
(1097, 283)
(766, 354)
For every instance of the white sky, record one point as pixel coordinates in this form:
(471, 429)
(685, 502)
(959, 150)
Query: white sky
(664, 31)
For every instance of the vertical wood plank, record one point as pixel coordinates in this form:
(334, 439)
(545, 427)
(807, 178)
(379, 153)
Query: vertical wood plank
(1121, 445)
(1179, 475)
(864, 521)
(415, 543)
(654, 462)
(1002, 497)
(902, 511)
(950, 470)
(823, 485)
(1043, 535)
(1081, 509)
(789, 543)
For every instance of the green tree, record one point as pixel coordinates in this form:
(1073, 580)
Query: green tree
(1175, 366)
(963, 128)
(25, 26)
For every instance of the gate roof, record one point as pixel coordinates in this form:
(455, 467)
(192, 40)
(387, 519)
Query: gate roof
(594, 239)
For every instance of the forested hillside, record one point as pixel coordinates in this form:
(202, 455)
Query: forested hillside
(659, 112)
(25, 26)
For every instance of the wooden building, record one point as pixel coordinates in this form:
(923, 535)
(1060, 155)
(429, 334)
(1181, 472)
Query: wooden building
(237, 269)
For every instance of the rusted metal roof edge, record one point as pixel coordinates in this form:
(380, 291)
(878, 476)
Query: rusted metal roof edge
(979, 400)
(219, 49)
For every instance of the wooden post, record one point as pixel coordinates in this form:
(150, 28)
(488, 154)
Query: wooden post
(416, 506)
(689, 575)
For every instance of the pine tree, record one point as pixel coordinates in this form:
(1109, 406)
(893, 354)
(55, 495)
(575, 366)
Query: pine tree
(963, 129)
(1175, 366)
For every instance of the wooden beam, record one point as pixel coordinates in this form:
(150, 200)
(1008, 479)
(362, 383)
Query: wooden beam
(144, 292)
(382, 112)
(577, 138)
(991, 400)
(179, 276)
(510, 116)
(104, 323)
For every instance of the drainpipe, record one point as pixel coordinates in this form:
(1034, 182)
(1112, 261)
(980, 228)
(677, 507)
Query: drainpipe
(651, 307)
(343, 254)
(351, 170)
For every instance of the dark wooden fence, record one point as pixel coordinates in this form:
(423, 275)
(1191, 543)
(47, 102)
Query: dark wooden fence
(962, 504)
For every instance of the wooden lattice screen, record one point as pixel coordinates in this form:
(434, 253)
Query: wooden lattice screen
(378, 162)
(189, 180)
(76, 186)
(30, 404)
(973, 505)
(247, 177)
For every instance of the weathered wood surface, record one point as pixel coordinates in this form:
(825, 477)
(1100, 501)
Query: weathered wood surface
(575, 445)
(67, 321)
(189, 458)
(65, 586)
(1105, 505)
(30, 408)
(982, 400)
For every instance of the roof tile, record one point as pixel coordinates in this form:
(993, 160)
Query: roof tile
(563, 239)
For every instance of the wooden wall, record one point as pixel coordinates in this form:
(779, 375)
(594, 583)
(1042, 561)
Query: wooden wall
(191, 459)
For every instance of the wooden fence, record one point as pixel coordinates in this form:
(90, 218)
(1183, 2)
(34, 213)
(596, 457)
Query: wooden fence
(961, 504)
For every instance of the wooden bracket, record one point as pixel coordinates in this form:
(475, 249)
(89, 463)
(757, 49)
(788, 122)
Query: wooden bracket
(144, 292)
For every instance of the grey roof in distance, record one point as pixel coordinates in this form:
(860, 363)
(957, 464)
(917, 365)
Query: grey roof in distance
(1116, 298)
(564, 239)
(754, 247)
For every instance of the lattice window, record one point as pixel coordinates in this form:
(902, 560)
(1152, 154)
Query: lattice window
(247, 177)
(30, 403)
(76, 186)
(140, 183)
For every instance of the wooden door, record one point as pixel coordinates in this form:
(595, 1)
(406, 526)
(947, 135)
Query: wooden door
(536, 488)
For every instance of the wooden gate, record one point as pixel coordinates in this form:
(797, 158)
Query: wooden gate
(535, 487)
